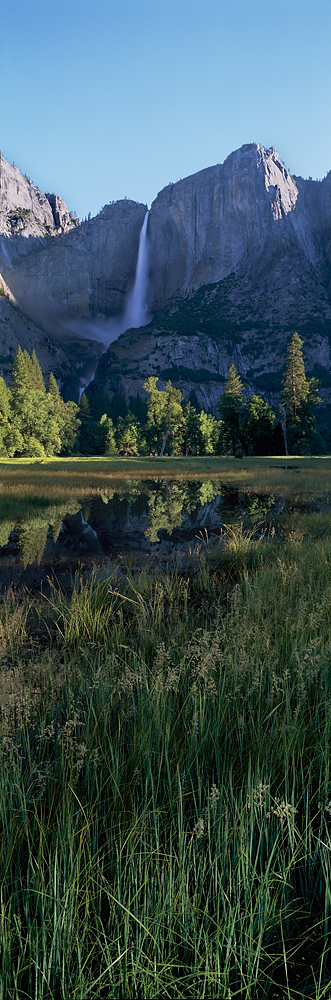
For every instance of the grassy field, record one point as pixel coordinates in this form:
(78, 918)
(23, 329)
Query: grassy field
(56, 480)
(165, 784)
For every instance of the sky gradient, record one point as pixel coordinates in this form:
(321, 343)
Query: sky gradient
(102, 99)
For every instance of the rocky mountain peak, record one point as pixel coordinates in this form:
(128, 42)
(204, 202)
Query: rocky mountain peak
(27, 211)
(239, 256)
(280, 185)
(204, 227)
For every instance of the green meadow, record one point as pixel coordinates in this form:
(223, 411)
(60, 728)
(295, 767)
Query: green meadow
(55, 480)
(165, 782)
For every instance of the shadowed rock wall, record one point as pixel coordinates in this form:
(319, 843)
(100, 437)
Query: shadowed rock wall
(236, 217)
(85, 273)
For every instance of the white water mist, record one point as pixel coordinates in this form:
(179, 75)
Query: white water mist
(135, 314)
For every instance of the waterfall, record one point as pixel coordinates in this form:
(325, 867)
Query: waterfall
(136, 313)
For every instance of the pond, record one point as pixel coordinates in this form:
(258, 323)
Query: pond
(159, 518)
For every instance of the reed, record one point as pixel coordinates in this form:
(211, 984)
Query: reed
(165, 783)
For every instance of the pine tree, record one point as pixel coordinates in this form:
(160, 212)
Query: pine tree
(88, 429)
(5, 397)
(21, 374)
(296, 386)
(173, 419)
(84, 408)
(233, 384)
(298, 398)
(4, 417)
(258, 426)
(138, 407)
(118, 407)
(193, 399)
(27, 375)
(105, 437)
(191, 429)
(52, 388)
(37, 380)
(231, 408)
(155, 413)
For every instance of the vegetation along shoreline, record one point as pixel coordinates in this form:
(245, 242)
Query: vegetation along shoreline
(165, 782)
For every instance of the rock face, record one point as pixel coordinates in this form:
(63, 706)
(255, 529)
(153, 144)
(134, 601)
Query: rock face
(26, 211)
(53, 288)
(236, 218)
(69, 366)
(82, 275)
(239, 258)
(201, 362)
(16, 328)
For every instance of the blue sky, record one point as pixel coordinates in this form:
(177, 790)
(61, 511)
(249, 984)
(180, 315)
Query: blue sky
(102, 99)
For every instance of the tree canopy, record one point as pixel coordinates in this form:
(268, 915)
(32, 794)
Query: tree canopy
(35, 421)
(298, 399)
(231, 408)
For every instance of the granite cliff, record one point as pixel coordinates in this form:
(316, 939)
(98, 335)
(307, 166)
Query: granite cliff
(51, 288)
(239, 257)
(83, 275)
(246, 216)
(70, 365)
(25, 210)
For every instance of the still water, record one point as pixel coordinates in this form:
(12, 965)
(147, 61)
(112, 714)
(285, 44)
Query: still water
(160, 518)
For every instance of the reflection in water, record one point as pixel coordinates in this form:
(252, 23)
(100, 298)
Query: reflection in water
(236, 505)
(166, 505)
(31, 533)
(6, 528)
(32, 538)
(89, 537)
(134, 518)
(164, 513)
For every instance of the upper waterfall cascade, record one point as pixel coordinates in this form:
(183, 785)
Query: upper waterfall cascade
(136, 313)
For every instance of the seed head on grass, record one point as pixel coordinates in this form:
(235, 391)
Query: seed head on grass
(214, 796)
(259, 796)
(282, 810)
(198, 831)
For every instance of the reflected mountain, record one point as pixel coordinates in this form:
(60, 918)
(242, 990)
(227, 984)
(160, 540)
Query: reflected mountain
(154, 517)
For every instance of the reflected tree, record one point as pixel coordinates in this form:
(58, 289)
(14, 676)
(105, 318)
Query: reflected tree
(165, 512)
(6, 528)
(168, 502)
(32, 530)
(32, 537)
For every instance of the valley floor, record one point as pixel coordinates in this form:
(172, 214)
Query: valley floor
(165, 783)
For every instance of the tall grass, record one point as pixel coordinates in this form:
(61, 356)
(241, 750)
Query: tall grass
(56, 480)
(165, 788)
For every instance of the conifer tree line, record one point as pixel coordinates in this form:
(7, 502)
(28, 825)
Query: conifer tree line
(35, 420)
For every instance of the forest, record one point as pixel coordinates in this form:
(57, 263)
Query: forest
(35, 421)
